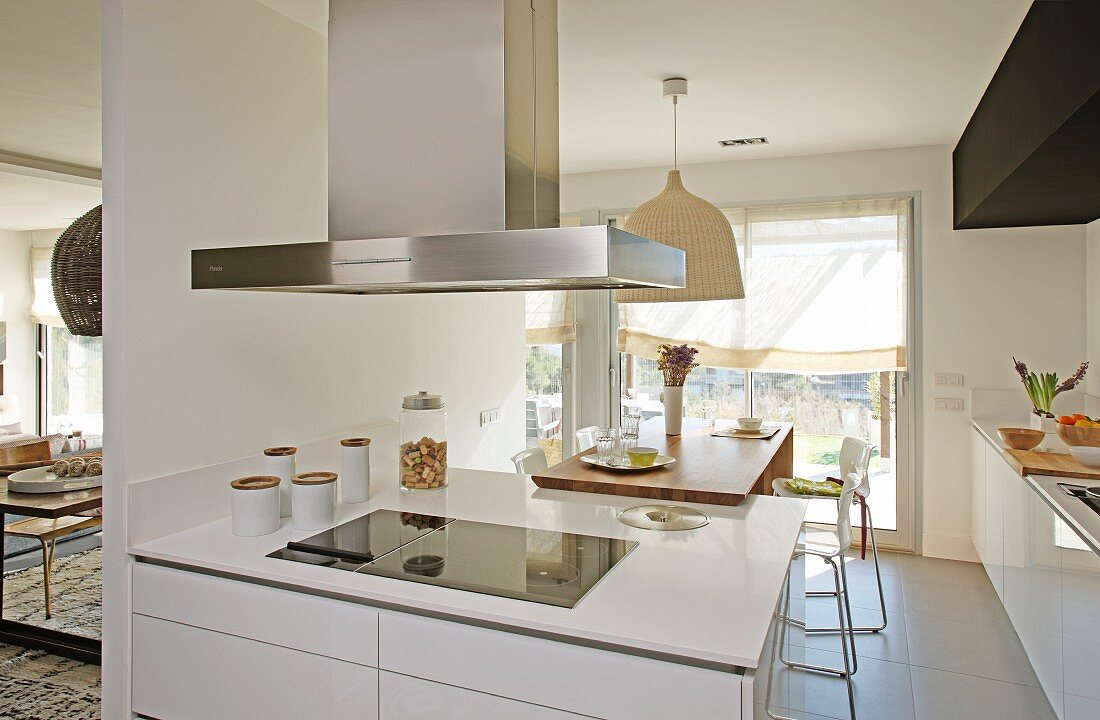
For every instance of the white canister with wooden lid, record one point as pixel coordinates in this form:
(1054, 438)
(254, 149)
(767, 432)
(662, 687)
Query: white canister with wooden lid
(355, 470)
(255, 505)
(314, 500)
(279, 461)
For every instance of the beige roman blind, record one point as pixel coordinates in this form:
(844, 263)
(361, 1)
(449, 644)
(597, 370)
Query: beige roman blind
(43, 307)
(825, 291)
(550, 317)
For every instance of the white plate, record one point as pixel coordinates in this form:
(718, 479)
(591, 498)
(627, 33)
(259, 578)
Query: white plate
(659, 461)
(42, 480)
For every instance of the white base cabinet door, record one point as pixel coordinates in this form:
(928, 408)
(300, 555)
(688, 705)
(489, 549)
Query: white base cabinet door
(187, 673)
(407, 698)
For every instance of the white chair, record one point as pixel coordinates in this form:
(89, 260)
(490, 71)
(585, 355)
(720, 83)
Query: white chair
(530, 461)
(855, 458)
(11, 421)
(830, 546)
(586, 438)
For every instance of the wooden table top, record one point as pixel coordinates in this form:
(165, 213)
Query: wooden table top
(48, 505)
(1031, 462)
(714, 470)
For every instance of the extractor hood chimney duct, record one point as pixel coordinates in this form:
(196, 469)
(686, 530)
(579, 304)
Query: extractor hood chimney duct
(443, 164)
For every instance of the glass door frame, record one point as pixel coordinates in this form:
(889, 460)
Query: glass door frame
(908, 439)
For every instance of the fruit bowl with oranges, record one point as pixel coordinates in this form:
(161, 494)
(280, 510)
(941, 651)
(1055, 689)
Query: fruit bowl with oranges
(1079, 430)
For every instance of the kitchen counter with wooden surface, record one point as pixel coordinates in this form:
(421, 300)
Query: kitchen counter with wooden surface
(708, 469)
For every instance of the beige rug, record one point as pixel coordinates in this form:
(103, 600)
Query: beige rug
(35, 685)
(76, 591)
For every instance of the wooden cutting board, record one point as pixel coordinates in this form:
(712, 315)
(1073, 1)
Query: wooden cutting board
(712, 470)
(1030, 462)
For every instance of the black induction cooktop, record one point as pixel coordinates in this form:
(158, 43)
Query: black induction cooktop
(544, 566)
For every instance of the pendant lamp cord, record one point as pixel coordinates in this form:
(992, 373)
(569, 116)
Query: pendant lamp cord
(675, 137)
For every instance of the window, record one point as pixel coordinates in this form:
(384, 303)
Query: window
(545, 400)
(70, 374)
(819, 341)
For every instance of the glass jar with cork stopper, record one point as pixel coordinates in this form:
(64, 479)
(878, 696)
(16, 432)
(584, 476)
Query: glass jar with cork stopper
(422, 457)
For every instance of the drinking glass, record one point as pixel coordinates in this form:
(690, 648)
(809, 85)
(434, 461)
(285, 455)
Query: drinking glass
(605, 444)
(631, 423)
(709, 414)
(628, 442)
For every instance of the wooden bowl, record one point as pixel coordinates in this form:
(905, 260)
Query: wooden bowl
(1020, 438)
(1077, 436)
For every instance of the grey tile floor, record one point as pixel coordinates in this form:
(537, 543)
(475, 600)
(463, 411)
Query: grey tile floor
(948, 652)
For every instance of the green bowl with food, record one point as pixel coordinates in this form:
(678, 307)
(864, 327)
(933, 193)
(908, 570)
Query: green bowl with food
(642, 456)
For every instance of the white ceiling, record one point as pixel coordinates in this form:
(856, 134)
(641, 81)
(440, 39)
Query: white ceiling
(34, 203)
(814, 76)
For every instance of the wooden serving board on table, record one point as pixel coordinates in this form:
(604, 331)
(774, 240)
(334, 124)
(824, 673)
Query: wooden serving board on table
(1030, 462)
(712, 470)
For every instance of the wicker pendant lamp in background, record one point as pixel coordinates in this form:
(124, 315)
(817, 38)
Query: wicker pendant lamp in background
(76, 274)
(690, 223)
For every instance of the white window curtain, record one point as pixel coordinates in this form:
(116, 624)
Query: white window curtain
(550, 317)
(825, 291)
(43, 308)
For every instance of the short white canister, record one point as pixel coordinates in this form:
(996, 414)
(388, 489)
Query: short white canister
(255, 505)
(279, 461)
(355, 470)
(314, 500)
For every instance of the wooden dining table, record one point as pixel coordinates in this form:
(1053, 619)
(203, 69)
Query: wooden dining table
(46, 505)
(708, 469)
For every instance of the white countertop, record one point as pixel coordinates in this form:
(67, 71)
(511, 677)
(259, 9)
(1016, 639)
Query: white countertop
(1078, 516)
(704, 596)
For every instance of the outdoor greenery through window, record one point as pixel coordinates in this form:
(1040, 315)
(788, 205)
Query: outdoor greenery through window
(72, 382)
(544, 400)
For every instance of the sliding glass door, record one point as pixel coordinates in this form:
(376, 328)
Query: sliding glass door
(820, 341)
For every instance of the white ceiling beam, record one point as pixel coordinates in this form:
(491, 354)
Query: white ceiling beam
(17, 164)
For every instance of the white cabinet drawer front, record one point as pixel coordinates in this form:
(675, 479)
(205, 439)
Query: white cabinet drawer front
(184, 673)
(342, 630)
(604, 684)
(406, 698)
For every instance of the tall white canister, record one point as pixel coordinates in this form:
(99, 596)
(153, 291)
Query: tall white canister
(279, 461)
(355, 470)
(314, 500)
(255, 505)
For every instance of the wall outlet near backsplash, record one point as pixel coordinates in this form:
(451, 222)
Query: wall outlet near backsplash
(489, 417)
(948, 405)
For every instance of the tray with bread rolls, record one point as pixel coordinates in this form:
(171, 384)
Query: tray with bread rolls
(76, 473)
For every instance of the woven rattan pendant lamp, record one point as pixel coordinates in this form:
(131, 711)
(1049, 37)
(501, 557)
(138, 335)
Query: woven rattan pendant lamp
(76, 273)
(690, 223)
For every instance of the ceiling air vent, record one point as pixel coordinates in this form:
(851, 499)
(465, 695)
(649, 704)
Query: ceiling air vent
(743, 141)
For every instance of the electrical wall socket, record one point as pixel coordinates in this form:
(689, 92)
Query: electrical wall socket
(948, 380)
(490, 416)
(949, 405)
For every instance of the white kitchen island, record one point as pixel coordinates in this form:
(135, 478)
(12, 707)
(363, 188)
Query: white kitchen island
(678, 628)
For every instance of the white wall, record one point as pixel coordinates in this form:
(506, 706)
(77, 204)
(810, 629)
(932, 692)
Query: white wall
(15, 307)
(214, 134)
(986, 294)
(1092, 303)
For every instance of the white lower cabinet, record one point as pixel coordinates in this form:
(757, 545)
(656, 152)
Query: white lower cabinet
(188, 673)
(407, 698)
(210, 648)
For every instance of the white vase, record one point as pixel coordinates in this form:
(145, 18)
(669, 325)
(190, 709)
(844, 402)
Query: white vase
(673, 399)
(1046, 424)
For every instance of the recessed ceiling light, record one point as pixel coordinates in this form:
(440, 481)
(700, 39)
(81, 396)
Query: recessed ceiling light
(743, 141)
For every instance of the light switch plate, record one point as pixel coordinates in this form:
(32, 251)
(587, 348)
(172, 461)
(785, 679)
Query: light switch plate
(948, 405)
(490, 416)
(948, 380)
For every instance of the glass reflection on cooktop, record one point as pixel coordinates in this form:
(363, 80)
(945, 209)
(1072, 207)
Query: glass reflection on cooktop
(542, 566)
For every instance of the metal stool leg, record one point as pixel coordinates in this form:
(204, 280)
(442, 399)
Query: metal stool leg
(878, 583)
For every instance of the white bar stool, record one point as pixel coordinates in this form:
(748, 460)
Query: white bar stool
(830, 546)
(529, 461)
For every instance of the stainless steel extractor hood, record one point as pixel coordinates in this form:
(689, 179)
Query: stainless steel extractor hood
(541, 259)
(443, 165)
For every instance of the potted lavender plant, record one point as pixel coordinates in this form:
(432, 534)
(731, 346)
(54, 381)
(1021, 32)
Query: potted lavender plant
(675, 362)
